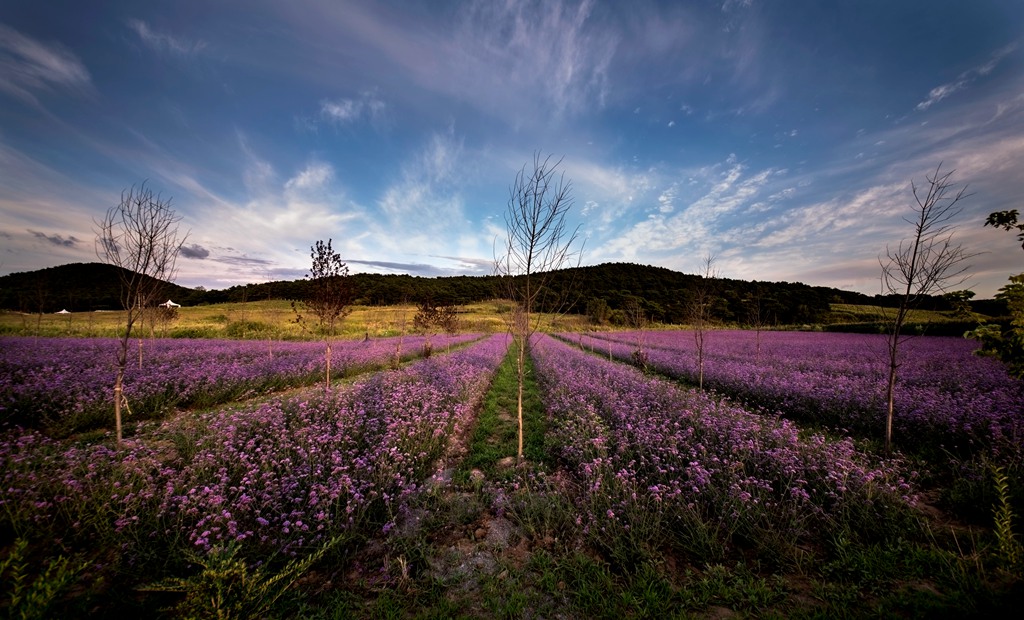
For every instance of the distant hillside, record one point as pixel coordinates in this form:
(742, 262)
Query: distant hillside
(76, 287)
(604, 290)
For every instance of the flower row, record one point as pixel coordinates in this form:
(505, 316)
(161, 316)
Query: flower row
(66, 383)
(945, 396)
(271, 478)
(679, 463)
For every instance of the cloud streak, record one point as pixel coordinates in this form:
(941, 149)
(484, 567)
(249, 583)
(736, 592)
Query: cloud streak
(29, 67)
(164, 43)
(69, 242)
(964, 80)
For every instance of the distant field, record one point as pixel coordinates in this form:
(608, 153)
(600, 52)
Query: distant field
(273, 319)
(853, 313)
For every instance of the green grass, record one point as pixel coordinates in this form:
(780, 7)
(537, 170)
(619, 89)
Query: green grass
(495, 436)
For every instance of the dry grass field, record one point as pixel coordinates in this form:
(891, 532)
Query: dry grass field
(273, 319)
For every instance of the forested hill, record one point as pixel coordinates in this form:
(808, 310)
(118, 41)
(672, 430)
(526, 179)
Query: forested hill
(75, 287)
(606, 290)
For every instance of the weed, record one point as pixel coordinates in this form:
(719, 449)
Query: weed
(27, 597)
(227, 587)
(1011, 553)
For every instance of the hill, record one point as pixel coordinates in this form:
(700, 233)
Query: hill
(75, 287)
(603, 291)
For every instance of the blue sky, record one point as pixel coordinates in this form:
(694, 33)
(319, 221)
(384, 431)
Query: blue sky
(780, 136)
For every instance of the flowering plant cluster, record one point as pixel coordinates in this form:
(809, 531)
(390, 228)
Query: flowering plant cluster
(64, 383)
(270, 478)
(656, 461)
(945, 395)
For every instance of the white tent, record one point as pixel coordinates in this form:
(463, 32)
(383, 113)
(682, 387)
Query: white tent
(63, 312)
(170, 304)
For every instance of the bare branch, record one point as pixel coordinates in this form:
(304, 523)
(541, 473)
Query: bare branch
(926, 263)
(538, 242)
(140, 237)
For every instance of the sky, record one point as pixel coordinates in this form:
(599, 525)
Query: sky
(780, 137)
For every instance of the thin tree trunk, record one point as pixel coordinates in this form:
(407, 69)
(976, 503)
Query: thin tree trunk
(118, 395)
(521, 362)
(700, 373)
(890, 397)
(328, 376)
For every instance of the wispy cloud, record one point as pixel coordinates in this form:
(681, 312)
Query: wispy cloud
(690, 217)
(552, 50)
(163, 42)
(29, 67)
(314, 176)
(425, 200)
(964, 80)
(521, 61)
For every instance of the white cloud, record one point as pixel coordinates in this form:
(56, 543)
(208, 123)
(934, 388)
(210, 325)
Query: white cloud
(29, 67)
(314, 176)
(344, 111)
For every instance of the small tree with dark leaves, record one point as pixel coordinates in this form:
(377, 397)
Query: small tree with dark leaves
(1007, 220)
(329, 298)
(1007, 343)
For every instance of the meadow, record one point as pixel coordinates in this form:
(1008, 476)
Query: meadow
(244, 488)
(257, 320)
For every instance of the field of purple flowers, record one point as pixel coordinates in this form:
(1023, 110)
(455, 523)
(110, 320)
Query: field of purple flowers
(273, 478)
(656, 461)
(65, 384)
(945, 397)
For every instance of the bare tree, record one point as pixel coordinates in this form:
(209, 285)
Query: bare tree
(538, 242)
(329, 298)
(42, 291)
(637, 321)
(140, 237)
(927, 262)
(757, 317)
(702, 300)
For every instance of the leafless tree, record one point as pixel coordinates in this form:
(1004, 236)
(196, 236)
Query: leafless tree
(925, 263)
(42, 291)
(140, 237)
(702, 300)
(757, 317)
(637, 321)
(538, 242)
(330, 296)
